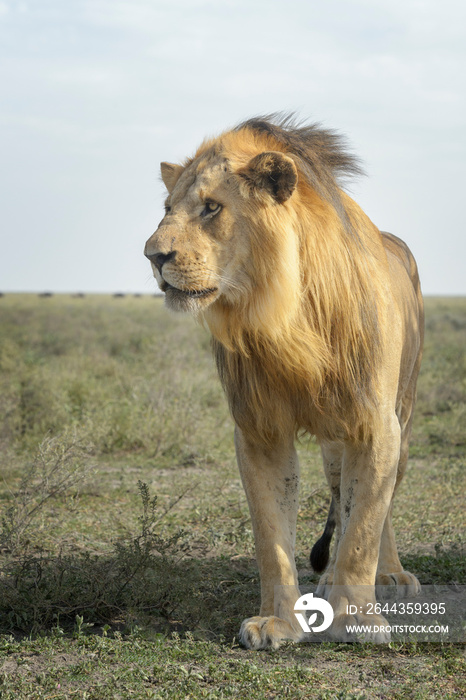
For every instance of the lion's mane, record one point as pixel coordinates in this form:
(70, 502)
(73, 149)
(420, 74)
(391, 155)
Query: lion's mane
(302, 347)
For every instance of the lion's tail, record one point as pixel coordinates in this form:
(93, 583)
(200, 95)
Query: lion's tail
(321, 550)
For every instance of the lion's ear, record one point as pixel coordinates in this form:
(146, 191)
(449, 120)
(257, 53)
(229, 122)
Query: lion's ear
(170, 174)
(273, 172)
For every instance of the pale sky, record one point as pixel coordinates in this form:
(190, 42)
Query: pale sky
(95, 93)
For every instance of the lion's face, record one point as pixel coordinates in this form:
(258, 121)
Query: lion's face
(201, 250)
(195, 252)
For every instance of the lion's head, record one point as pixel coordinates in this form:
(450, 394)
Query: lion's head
(260, 242)
(205, 249)
(231, 230)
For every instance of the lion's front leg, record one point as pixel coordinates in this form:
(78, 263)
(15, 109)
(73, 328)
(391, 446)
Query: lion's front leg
(271, 482)
(367, 484)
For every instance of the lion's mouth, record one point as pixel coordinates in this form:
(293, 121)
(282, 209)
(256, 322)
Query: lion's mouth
(191, 293)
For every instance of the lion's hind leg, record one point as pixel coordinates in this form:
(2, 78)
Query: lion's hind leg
(390, 571)
(321, 561)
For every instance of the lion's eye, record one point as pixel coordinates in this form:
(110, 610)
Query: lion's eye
(211, 208)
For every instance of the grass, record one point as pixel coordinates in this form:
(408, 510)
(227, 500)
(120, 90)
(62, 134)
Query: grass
(98, 667)
(126, 551)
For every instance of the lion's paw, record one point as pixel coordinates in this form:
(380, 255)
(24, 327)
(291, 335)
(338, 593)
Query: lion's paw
(360, 628)
(266, 632)
(406, 584)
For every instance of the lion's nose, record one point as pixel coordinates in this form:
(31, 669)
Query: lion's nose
(159, 259)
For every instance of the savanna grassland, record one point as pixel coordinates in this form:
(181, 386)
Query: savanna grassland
(126, 551)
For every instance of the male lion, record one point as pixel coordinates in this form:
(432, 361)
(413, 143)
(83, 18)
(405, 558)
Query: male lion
(317, 323)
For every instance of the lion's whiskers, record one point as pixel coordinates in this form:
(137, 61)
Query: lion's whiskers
(222, 277)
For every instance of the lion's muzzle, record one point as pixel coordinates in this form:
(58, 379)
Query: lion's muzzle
(159, 259)
(184, 289)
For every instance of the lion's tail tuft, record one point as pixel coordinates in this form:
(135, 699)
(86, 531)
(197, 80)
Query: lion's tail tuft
(321, 550)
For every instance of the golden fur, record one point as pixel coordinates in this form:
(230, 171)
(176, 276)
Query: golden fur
(298, 288)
